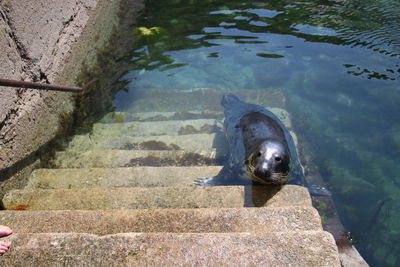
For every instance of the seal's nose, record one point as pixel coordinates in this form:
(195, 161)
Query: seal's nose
(263, 173)
(268, 176)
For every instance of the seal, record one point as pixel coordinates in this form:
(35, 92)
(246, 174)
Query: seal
(262, 150)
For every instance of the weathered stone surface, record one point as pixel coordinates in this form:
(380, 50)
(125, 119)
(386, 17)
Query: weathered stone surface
(37, 38)
(40, 36)
(205, 220)
(132, 158)
(118, 177)
(308, 248)
(190, 142)
(349, 257)
(46, 30)
(11, 67)
(156, 197)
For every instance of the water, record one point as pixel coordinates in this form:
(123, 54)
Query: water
(336, 61)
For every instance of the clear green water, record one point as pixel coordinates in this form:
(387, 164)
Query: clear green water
(338, 63)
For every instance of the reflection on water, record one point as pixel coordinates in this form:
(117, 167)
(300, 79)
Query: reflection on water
(337, 61)
(230, 38)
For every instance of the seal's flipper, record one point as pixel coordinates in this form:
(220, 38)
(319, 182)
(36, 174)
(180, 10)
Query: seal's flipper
(207, 181)
(219, 179)
(226, 176)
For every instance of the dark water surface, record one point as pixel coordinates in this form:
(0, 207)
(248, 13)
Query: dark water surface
(338, 63)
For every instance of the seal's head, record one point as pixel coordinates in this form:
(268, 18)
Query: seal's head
(269, 163)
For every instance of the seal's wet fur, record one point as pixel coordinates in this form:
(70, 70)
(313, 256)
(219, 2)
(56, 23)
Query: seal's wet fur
(261, 148)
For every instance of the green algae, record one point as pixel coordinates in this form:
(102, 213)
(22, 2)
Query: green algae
(150, 145)
(148, 33)
(206, 128)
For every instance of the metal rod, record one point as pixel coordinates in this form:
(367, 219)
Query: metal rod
(40, 86)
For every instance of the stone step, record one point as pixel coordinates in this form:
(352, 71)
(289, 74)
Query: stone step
(207, 116)
(171, 127)
(102, 222)
(118, 177)
(165, 100)
(191, 142)
(119, 117)
(133, 158)
(150, 128)
(157, 197)
(306, 248)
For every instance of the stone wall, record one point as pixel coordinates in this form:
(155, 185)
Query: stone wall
(46, 41)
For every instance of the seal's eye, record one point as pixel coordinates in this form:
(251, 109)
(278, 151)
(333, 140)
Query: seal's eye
(278, 159)
(258, 154)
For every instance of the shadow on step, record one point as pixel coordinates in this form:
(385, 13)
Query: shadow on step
(258, 195)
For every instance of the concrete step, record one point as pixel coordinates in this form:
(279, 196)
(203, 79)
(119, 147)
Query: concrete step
(201, 99)
(119, 117)
(205, 220)
(118, 177)
(133, 158)
(157, 119)
(149, 128)
(191, 142)
(123, 117)
(157, 197)
(306, 248)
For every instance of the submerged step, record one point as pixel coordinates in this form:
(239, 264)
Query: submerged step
(118, 117)
(190, 142)
(174, 127)
(133, 158)
(157, 197)
(165, 100)
(104, 222)
(307, 248)
(118, 177)
(155, 123)
(174, 118)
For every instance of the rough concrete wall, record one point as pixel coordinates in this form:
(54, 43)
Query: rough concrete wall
(36, 39)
